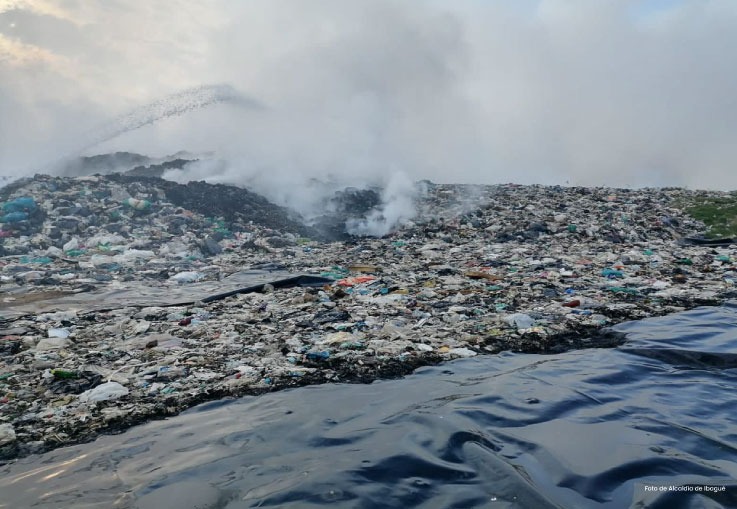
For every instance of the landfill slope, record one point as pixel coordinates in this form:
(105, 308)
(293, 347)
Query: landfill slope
(121, 298)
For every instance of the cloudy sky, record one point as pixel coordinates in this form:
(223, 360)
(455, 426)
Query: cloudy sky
(584, 92)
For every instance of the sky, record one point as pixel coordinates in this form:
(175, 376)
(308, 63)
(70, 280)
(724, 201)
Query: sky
(573, 92)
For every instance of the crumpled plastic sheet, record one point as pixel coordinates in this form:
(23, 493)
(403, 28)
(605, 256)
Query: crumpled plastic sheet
(135, 294)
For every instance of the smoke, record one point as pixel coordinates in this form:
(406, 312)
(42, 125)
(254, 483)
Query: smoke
(613, 92)
(397, 207)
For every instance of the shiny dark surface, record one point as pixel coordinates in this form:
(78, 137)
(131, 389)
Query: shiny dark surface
(588, 428)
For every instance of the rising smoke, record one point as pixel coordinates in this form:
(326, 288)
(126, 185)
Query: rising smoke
(613, 92)
(396, 208)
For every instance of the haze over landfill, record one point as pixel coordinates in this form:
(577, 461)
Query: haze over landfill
(613, 92)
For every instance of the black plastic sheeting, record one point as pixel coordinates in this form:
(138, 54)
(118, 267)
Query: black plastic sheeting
(290, 282)
(650, 424)
(141, 294)
(698, 241)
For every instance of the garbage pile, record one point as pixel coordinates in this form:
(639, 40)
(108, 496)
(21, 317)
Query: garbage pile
(480, 270)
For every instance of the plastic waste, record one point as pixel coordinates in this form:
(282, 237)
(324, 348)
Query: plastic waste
(14, 217)
(318, 356)
(623, 289)
(356, 280)
(462, 352)
(335, 272)
(64, 374)
(104, 392)
(52, 344)
(186, 277)
(102, 240)
(520, 320)
(41, 260)
(7, 434)
(133, 255)
(137, 204)
(71, 245)
(22, 204)
(696, 241)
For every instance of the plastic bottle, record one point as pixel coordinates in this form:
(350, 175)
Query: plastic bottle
(64, 374)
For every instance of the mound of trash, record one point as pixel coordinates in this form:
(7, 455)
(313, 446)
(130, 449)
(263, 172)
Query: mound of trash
(124, 298)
